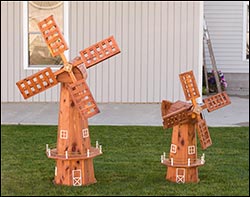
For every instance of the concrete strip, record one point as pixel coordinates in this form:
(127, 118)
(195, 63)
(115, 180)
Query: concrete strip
(235, 114)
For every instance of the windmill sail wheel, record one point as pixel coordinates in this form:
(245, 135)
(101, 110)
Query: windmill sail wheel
(186, 118)
(73, 153)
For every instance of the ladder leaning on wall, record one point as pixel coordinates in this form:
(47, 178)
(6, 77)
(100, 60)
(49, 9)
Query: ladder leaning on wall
(206, 39)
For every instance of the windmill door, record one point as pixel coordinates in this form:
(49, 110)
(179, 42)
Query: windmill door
(77, 177)
(180, 175)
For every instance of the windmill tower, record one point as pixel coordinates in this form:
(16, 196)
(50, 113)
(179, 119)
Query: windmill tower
(73, 152)
(186, 118)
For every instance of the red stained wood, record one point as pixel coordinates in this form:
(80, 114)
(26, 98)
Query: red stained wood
(75, 144)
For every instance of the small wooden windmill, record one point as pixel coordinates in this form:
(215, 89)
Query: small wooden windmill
(185, 118)
(73, 153)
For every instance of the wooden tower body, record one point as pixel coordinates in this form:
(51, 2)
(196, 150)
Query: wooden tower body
(183, 162)
(185, 118)
(73, 154)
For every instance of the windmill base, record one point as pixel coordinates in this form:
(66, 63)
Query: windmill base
(74, 172)
(182, 174)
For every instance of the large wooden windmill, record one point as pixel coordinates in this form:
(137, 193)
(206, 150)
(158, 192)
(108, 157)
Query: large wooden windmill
(186, 118)
(73, 152)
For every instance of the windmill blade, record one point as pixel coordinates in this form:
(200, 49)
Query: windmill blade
(37, 83)
(176, 113)
(189, 85)
(99, 51)
(203, 134)
(52, 36)
(83, 99)
(217, 101)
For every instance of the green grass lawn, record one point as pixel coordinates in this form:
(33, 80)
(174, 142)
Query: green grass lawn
(130, 164)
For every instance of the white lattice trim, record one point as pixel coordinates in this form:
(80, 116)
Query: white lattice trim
(173, 148)
(85, 133)
(63, 134)
(191, 150)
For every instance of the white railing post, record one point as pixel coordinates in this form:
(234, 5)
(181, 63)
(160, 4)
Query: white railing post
(66, 154)
(87, 152)
(96, 144)
(172, 161)
(188, 161)
(203, 158)
(100, 147)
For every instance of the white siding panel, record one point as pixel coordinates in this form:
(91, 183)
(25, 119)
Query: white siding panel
(118, 58)
(112, 66)
(137, 53)
(151, 52)
(74, 30)
(225, 25)
(125, 51)
(164, 52)
(105, 64)
(170, 55)
(17, 58)
(177, 47)
(144, 50)
(157, 54)
(158, 40)
(4, 51)
(131, 52)
(198, 21)
(11, 53)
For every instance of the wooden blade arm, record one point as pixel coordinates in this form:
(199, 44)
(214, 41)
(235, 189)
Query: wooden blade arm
(77, 61)
(203, 133)
(37, 83)
(99, 52)
(217, 101)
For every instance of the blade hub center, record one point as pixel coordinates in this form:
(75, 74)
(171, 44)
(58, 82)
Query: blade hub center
(68, 67)
(197, 109)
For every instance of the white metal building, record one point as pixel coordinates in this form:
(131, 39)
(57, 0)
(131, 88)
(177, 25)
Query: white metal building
(158, 40)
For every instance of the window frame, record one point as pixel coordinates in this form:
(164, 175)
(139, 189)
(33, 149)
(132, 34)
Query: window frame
(244, 54)
(85, 133)
(191, 150)
(64, 134)
(173, 148)
(26, 64)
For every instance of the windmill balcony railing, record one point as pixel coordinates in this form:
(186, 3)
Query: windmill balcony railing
(182, 163)
(68, 155)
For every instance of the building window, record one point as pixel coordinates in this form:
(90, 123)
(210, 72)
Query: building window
(173, 148)
(191, 150)
(36, 52)
(64, 134)
(246, 30)
(85, 133)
